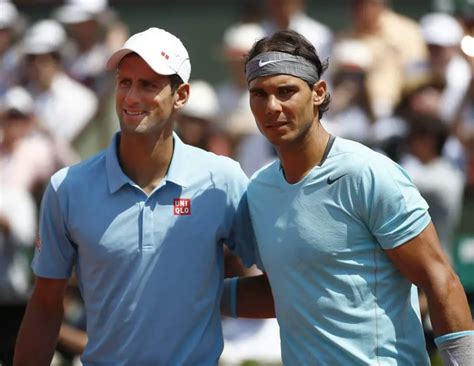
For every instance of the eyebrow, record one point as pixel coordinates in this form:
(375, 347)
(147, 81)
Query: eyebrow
(286, 85)
(254, 89)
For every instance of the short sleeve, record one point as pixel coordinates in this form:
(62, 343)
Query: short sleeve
(391, 206)
(55, 254)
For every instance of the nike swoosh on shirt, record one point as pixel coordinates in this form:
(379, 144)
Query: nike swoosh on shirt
(331, 181)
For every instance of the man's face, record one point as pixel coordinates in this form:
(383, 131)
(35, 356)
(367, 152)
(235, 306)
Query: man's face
(41, 69)
(284, 107)
(366, 13)
(144, 100)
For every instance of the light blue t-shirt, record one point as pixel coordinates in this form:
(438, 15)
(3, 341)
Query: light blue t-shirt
(339, 299)
(150, 269)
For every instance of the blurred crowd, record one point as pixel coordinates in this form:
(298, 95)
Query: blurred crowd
(399, 85)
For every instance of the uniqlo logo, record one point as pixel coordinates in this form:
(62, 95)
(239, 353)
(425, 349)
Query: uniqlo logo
(182, 206)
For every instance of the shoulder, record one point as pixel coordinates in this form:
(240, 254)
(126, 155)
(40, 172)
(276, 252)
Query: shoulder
(352, 153)
(360, 161)
(267, 175)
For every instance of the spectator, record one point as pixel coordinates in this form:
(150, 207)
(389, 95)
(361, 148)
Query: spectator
(251, 150)
(196, 123)
(17, 235)
(397, 48)
(9, 22)
(95, 33)
(464, 130)
(63, 105)
(443, 34)
(290, 14)
(28, 155)
(428, 169)
(351, 114)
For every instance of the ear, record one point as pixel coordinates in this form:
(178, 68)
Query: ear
(181, 96)
(319, 92)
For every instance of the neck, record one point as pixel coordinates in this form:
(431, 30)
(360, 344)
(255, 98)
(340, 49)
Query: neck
(299, 158)
(145, 160)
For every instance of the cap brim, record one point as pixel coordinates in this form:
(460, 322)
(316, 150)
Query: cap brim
(118, 55)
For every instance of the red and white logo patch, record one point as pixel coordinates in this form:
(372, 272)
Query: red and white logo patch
(182, 207)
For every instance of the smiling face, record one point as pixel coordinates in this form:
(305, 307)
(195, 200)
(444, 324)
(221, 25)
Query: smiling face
(144, 99)
(285, 108)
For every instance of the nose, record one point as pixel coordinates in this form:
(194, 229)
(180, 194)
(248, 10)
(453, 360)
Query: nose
(273, 105)
(132, 95)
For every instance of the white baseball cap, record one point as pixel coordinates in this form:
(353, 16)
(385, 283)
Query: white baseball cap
(8, 14)
(78, 11)
(441, 29)
(242, 36)
(43, 37)
(202, 102)
(351, 53)
(161, 50)
(18, 99)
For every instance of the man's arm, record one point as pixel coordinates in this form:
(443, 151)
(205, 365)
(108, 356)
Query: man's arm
(252, 297)
(423, 262)
(39, 330)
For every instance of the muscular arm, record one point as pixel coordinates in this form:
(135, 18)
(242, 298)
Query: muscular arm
(423, 262)
(40, 327)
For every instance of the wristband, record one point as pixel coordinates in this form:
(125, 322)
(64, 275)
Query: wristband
(456, 349)
(452, 336)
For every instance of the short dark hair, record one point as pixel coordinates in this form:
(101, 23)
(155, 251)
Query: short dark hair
(175, 82)
(291, 42)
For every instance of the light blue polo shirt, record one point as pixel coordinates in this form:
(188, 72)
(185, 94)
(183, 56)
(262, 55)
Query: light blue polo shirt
(150, 268)
(339, 299)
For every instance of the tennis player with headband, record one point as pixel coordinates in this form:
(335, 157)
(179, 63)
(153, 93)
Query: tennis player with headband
(343, 234)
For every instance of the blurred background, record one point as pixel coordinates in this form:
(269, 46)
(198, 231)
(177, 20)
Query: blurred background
(400, 75)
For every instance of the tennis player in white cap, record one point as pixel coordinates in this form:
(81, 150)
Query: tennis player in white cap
(144, 223)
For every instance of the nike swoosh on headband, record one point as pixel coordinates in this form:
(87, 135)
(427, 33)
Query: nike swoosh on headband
(262, 63)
